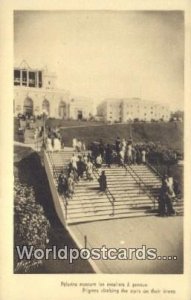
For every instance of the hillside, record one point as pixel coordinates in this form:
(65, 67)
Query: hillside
(168, 134)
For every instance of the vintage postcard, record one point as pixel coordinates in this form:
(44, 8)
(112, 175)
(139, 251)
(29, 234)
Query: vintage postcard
(95, 150)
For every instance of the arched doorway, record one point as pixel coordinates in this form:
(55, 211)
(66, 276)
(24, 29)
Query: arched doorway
(62, 110)
(46, 106)
(79, 115)
(28, 107)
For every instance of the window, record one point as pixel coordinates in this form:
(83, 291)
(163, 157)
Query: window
(40, 79)
(16, 77)
(31, 79)
(24, 78)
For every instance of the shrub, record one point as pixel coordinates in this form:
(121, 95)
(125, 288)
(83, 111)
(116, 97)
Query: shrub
(31, 225)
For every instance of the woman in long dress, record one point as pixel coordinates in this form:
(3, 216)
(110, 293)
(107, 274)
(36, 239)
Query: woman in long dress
(129, 153)
(57, 144)
(70, 184)
(102, 182)
(49, 145)
(143, 152)
(89, 170)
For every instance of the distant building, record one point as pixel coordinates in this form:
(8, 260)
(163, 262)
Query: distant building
(124, 110)
(35, 92)
(80, 108)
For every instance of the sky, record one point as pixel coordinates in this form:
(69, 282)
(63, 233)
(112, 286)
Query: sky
(107, 54)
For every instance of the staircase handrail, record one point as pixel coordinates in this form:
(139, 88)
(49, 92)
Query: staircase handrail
(154, 169)
(140, 181)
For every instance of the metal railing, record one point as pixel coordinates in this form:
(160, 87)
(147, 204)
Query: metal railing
(155, 170)
(142, 185)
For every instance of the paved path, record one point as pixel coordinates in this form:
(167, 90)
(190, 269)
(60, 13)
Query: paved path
(34, 148)
(24, 145)
(165, 234)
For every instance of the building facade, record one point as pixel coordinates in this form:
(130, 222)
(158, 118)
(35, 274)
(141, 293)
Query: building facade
(124, 110)
(35, 93)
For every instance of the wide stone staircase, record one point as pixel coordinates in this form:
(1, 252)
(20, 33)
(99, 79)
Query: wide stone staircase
(152, 181)
(131, 192)
(29, 136)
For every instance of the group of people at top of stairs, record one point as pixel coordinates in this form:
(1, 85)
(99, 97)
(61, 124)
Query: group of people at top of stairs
(27, 121)
(80, 166)
(126, 152)
(123, 152)
(78, 145)
(54, 140)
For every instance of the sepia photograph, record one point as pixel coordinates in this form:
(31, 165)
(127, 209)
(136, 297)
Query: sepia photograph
(98, 141)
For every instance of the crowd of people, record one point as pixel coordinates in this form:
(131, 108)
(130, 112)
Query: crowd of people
(121, 152)
(80, 166)
(126, 152)
(53, 139)
(78, 145)
(28, 121)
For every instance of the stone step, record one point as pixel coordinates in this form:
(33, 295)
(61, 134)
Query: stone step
(110, 184)
(103, 206)
(132, 195)
(86, 195)
(88, 204)
(143, 177)
(95, 212)
(116, 210)
(79, 206)
(94, 218)
(121, 197)
(90, 197)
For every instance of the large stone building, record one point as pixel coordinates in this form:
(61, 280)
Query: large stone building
(124, 110)
(35, 92)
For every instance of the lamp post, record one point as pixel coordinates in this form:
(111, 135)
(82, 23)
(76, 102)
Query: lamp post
(44, 116)
(130, 128)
